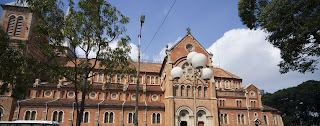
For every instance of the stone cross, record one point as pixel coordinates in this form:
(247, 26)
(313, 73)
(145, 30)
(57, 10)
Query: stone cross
(188, 29)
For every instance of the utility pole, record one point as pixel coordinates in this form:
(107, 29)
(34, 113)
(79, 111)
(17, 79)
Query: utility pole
(138, 75)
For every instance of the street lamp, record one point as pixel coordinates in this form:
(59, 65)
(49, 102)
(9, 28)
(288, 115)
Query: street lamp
(198, 61)
(142, 18)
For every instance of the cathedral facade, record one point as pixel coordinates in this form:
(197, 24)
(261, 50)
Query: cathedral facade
(220, 101)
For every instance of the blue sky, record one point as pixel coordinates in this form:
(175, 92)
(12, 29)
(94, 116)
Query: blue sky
(216, 25)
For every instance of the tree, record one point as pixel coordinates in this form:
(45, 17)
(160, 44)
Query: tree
(298, 104)
(293, 27)
(90, 26)
(16, 69)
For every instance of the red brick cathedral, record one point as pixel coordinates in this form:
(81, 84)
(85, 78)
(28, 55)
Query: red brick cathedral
(222, 100)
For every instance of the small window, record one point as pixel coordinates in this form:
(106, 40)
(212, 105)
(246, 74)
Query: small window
(71, 94)
(189, 47)
(240, 118)
(188, 91)
(265, 118)
(223, 118)
(114, 95)
(12, 20)
(182, 90)
(236, 85)
(85, 118)
(130, 117)
(30, 115)
(156, 118)
(199, 91)
(93, 95)
(154, 97)
(252, 94)
(153, 80)
(133, 96)
(19, 26)
(255, 114)
(100, 77)
(108, 117)
(227, 84)
(48, 93)
(118, 78)
(205, 91)
(176, 90)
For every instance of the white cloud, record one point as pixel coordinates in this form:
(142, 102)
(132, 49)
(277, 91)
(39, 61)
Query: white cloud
(134, 53)
(162, 53)
(248, 55)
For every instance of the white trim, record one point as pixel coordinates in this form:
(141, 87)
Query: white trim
(35, 118)
(57, 119)
(154, 99)
(83, 117)
(3, 111)
(264, 120)
(71, 92)
(94, 95)
(131, 118)
(115, 94)
(156, 118)
(47, 95)
(104, 117)
(132, 98)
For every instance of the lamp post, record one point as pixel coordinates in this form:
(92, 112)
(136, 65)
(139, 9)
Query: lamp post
(198, 61)
(142, 18)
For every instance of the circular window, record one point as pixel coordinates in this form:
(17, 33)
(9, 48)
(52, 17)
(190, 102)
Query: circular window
(114, 95)
(189, 47)
(183, 114)
(252, 94)
(48, 93)
(200, 114)
(154, 97)
(93, 94)
(255, 114)
(133, 96)
(71, 94)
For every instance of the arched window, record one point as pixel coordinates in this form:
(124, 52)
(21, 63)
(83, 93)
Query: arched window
(205, 91)
(106, 117)
(57, 116)
(199, 91)
(118, 78)
(111, 117)
(12, 20)
(19, 25)
(27, 115)
(30, 115)
(153, 80)
(154, 118)
(241, 118)
(227, 84)
(54, 116)
(176, 90)
(130, 117)
(223, 118)
(1, 113)
(188, 91)
(265, 118)
(85, 117)
(158, 118)
(236, 85)
(182, 90)
(274, 119)
(60, 116)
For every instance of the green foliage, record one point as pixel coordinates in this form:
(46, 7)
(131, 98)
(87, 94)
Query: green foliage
(90, 26)
(297, 104)
(16, 69)
(293, 27)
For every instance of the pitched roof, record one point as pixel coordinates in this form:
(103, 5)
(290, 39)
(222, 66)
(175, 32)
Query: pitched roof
(144, 67)
(218, 72)
(188, 34)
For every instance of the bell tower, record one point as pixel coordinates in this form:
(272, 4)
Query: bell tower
(17, 20)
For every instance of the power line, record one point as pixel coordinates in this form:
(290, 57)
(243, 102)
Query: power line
(160, 26)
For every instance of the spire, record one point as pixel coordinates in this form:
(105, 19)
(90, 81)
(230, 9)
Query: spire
(67, 12)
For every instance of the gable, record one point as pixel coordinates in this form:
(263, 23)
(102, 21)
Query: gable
(185, 45)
